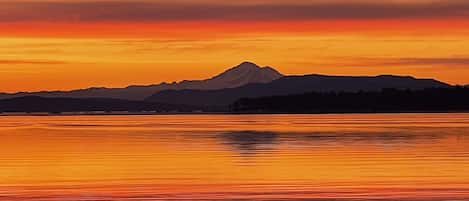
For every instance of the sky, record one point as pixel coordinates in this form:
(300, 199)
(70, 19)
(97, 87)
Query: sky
(72, 44)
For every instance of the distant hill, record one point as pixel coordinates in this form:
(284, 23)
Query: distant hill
(293, 85)
(242, 74)
(41, 104)
(387, 100)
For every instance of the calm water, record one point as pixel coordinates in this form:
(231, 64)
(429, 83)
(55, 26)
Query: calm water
(232, 157)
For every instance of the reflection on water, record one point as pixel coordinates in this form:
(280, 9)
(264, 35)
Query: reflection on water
(235, 157)
(248, 142)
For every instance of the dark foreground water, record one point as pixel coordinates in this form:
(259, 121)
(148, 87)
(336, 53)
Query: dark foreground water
(235, 157)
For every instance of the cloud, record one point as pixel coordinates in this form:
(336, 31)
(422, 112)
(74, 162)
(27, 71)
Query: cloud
(90, 11)
(29, 62)
(366, 62)
(459, 61)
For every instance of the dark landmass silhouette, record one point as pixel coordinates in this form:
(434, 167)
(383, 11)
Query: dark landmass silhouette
(293, 85)
(58, 105)
(239, 75)
(387, 100)
(250, 88)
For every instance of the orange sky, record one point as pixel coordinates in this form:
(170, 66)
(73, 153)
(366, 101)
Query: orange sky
(78, 44)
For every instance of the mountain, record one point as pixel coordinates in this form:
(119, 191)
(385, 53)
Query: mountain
(242, 74)
(41, 104)
(293, 85)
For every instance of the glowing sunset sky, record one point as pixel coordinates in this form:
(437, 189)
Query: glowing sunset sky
(68, 44)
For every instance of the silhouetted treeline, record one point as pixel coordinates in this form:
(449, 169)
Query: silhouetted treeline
(387, 100)
(58, 105)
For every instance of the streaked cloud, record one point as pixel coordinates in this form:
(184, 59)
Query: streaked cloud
(414, 61)
(430, 61)
(31, 62)
(91, 11)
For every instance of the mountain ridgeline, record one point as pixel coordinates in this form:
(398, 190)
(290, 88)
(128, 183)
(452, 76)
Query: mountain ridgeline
(293, 85)
(246, 85)
(242, 74)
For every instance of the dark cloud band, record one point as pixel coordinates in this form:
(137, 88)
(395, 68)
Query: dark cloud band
(461, 61)
(147, 11)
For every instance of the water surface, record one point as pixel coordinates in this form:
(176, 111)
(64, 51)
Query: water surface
(235, 157)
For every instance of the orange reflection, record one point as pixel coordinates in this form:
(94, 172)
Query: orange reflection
(421, 156)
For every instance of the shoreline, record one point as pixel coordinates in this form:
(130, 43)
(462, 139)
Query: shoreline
(13, 114)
